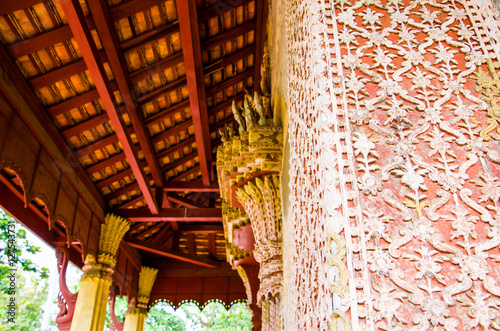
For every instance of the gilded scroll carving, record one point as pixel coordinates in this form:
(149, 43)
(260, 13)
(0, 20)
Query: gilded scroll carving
(249, 166)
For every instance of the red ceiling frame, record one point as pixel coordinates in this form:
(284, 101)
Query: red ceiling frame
(191, 49)
(84, 38)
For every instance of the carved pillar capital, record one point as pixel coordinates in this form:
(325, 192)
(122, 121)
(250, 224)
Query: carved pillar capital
(147, 279)
(112, 232)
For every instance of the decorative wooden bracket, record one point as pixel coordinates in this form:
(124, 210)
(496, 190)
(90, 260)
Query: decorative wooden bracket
(66, 299)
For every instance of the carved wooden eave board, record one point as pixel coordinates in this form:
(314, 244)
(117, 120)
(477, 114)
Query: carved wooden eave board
(121, 102)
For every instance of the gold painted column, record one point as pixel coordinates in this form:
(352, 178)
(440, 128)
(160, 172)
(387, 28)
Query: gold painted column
(136, 316)
(90, 309)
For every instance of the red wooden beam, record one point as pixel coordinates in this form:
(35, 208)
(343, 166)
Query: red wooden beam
(230, 59)
(156, 67)
(58, 74)
(170, 111)
(129, 8)
(151, 230)
(149, 37)
(178, 255)
(212, 250)
(191, 244)
(109, 40)
(202, 228)
(90, 54)
(172, 86)
(259, 41)
(10, 6)
(43, 40)
(174, 214)
(187, 173)
(183, 201)
(193, 186)
(229, 34)
(179, 162)
(218, 8)
(188, 24)
(231, 81)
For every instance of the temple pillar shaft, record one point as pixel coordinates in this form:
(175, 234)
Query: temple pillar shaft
(134, 320)
(90, 308)
(136, 314)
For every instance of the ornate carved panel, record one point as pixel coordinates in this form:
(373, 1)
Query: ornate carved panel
(393, 136)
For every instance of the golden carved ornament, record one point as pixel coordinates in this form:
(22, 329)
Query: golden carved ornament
(112, 232)
(147, 278)
(488, 83)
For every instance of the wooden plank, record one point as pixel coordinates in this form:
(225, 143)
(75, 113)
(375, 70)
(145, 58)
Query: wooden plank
(90, 54)
(229, 35)
(183, 201)
(58, 74)
(88, 124)
(231, 81)
(191, 49)
(114, 178)
(134, 6)
(156, 67)
(219, 7)
(16, 89)
(193, 186)
(172, 86)
(202, 228)
(191, 244)
(232, 58)
(152, 229)
(187, 173)
(109, 40)
(160, 250)
(179, 162)
(149, 37)
(43, 40)
(170, 111)
(131, 254)
(259, 41)
(174, 214)
(7, 7)
(212, 251)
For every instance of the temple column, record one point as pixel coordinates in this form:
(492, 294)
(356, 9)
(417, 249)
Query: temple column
(90, 309)
(136, 316)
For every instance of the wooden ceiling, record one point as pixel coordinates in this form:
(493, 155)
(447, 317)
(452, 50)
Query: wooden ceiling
(134, 92)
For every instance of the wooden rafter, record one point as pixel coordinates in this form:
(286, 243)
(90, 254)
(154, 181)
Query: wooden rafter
(259, 50)
(218, 8)
(104, 26)
(191, 49)
(229, 35)
(201, 228)
(193, 186)
(183, 201)
(90, 54)
(174, 214)
(175, 254)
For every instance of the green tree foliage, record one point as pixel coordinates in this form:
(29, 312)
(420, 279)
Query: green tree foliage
(22, 283)
(30, 296)
(189, 317)
(13, 243)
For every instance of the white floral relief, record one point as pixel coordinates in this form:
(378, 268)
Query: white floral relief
(423, 222)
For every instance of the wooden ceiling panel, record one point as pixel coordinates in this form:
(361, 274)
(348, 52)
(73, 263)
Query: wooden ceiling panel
(172, 72)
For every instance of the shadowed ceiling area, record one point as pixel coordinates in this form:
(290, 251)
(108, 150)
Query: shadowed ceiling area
(133, 93)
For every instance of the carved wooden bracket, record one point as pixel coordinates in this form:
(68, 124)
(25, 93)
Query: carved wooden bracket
(66, 299)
